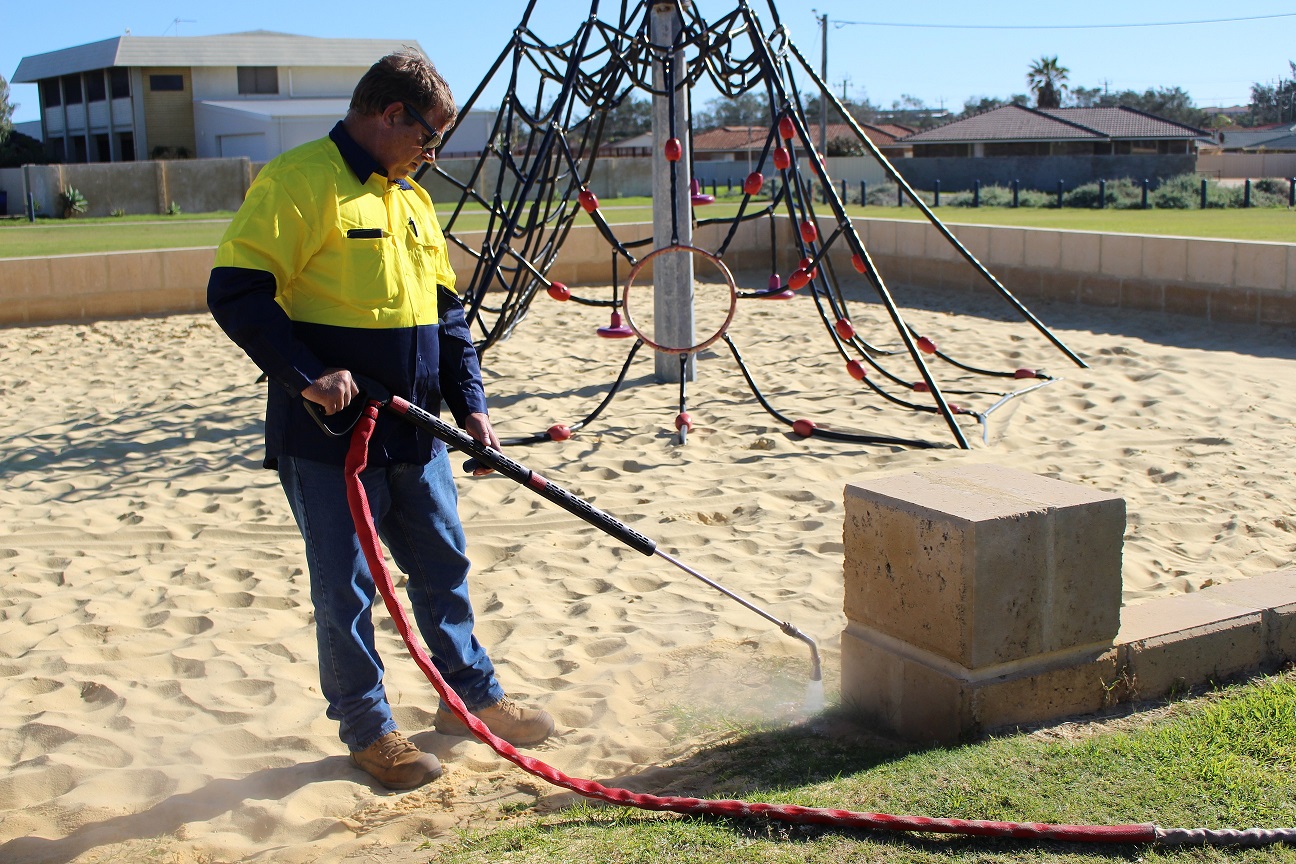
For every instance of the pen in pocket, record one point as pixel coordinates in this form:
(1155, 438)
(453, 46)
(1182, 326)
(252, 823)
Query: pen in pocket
(413, 227)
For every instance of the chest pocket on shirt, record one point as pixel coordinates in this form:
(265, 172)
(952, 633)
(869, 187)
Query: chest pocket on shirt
(425, 253)
(366, 247)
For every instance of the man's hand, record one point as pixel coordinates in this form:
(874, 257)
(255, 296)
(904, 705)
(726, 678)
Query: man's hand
(479, 427)
(334, 391)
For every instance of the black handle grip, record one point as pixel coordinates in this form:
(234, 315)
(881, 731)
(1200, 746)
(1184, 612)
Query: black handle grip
(524, 476)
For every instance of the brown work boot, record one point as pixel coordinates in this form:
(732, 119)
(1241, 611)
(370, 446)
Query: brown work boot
(396, 763)
(519, 726)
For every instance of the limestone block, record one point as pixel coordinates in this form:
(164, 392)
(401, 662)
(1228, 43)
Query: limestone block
(1262, 265)
(133, 271)
(911, 237)
(186, 269)
(1008, 247)
(1121, 256)
(1176, 642)
(975, 238)
(1080, 251)
(77, 275)
(922, 697)
(882, 237)
(24, 277)
(1043, 249)
(982, 565)
(1275, 595)
(1210, 262)
(1165, 258)
(938, 247)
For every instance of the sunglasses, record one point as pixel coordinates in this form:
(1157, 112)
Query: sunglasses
(434, 139)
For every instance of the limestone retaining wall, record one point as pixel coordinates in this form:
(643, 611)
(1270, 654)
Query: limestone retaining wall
(1221, 280)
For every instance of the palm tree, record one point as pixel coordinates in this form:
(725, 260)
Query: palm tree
(1047, 80)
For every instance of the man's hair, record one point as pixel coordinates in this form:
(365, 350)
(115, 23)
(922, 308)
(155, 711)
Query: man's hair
(405, 76)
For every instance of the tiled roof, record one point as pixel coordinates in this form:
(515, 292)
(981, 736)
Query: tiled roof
(1019, 123)
(753, 137)
(1282, 138)
(1125, 123)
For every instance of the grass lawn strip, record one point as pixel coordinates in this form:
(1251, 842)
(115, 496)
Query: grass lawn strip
(1223, 759)
(64, 237)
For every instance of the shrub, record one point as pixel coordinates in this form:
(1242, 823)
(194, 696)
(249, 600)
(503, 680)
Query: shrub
(1177, 193)
(173, 209)
(72, 202)
(117, 212)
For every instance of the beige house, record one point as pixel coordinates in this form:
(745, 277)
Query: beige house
(251, 94)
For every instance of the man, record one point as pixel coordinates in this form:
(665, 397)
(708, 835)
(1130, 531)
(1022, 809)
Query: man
(336, 264)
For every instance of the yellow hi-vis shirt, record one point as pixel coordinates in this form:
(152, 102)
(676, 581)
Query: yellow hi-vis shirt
(344, 253)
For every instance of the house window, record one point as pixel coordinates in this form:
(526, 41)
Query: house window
(72, 89)
(119, 83)
(166, 82)
(258, 79)
(96, 89)
(50, 95)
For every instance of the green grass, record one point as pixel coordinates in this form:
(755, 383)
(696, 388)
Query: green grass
(19, 238)
(1225, 759)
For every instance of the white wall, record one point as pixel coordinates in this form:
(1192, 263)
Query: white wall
(313, 82)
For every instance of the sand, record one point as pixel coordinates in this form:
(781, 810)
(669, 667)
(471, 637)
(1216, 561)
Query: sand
(158, 692)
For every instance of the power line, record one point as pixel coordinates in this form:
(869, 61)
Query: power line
(1061, 26)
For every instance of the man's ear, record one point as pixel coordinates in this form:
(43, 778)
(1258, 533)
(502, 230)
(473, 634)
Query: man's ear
(392, 113)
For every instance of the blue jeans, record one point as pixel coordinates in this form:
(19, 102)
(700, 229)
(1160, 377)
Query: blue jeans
(415, 508)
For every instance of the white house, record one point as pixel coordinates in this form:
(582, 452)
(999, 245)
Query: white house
(251, 94)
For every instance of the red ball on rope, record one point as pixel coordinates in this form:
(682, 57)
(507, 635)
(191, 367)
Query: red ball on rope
(754, 183)
(558, 432)
(857, 370)
(798, 280)
(782, 158)
(844, 329)
(926, 345)
(673, 150)
(588, 200)
(787, 129)
(1025, 373)
(559, 291)
(803, 427)
(683, 421)
(921, 387)
(809, 232)
(807, 265)
(857, 261)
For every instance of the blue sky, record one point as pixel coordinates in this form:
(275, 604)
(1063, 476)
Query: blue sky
(1216, 63)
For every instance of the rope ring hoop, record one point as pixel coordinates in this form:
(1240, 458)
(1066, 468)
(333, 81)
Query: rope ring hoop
(693, 250)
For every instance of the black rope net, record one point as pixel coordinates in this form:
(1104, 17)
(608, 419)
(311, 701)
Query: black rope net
(532, 181)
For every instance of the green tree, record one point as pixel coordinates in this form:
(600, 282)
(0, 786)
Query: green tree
(1172, 103)
(1047, 80)
(630, 118)
(748, 109)
(19, 149)
(1274, 103)
(6, 111)
(982, 104)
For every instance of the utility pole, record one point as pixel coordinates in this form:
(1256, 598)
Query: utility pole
(823, 97)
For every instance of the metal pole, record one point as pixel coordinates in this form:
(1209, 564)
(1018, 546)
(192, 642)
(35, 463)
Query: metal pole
(672, 214)
(823, 101)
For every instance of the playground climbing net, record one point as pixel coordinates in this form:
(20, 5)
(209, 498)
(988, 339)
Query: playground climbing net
(532, 180)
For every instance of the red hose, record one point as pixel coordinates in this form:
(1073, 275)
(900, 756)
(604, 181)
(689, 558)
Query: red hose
(357, 457)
